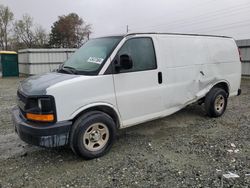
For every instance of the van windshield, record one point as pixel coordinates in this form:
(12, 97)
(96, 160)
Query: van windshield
(90, 58)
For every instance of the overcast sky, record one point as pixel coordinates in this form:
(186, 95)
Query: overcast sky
(222, 17)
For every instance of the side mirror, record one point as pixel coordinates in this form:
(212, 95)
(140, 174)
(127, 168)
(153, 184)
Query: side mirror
(125, 62)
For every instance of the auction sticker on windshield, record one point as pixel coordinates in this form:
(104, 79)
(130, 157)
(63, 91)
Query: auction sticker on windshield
(95, 60)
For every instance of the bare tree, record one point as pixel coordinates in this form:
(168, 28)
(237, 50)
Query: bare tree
(6, 17)
(41, 37)
(23, 30)
(27, 35)
(82, 33)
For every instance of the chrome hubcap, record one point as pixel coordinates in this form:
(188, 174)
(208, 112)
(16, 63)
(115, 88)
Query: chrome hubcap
(96, 137)
(219, 103)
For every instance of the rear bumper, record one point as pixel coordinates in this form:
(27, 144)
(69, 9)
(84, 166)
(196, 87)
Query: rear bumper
(52, 135)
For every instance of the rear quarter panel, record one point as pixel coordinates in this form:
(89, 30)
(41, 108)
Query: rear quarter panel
(192, 65)
(225, 63)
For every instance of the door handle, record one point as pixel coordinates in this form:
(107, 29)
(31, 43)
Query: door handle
(160, 77)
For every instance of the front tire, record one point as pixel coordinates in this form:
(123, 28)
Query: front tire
(216, 102)
(92, 135)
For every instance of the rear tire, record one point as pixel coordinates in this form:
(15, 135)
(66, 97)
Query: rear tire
(216, 102)
(92, 135)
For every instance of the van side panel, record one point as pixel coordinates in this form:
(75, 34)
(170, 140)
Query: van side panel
(182, 58)
(182, 51)
(192, 65)
(224, 64)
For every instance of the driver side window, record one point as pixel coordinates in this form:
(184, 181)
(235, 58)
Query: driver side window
(141, 51)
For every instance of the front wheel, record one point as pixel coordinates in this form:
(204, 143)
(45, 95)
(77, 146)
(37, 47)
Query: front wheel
(92, 135)
(216, 102)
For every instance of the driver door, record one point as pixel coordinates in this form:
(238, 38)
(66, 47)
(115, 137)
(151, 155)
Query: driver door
(138, 89)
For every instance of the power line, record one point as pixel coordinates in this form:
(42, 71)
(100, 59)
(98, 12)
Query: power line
(196, 5)
(228, 24)
(206, 20)
(215, 13)
(184, 22)
(236, 26)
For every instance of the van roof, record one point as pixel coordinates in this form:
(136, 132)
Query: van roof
(178, 34)
(155, 33)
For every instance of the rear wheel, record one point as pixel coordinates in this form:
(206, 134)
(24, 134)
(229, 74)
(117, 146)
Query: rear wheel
(92, 135)
(216, 102)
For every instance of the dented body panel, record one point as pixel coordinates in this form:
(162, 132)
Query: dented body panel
(192, 65)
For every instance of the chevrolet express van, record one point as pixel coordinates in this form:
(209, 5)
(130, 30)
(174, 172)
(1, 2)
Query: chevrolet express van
(115, 82)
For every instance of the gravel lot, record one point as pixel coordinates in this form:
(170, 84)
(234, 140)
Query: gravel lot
(186, 149)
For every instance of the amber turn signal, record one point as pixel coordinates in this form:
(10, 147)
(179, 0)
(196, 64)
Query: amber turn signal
(40, 117)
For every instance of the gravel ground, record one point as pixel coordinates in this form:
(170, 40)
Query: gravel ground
(186, 149)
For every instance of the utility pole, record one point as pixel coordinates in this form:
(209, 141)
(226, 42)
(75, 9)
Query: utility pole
(127, 28)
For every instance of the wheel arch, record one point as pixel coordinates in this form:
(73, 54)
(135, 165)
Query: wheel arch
(223, 84)
(219, 84)
(102, 107)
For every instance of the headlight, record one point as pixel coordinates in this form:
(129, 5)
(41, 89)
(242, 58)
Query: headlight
(41, 109)
(45, 105)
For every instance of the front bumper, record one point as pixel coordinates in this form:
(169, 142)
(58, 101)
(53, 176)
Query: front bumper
(52, 135)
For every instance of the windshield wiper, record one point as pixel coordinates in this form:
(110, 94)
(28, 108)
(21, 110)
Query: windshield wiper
(70, 70)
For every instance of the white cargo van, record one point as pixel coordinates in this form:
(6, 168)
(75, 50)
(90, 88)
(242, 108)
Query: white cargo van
(119, 81)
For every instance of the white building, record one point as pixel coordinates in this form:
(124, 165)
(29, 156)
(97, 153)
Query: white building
(244, 47)
(38, 61)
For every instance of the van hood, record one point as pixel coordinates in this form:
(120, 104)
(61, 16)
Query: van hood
(37, 85)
